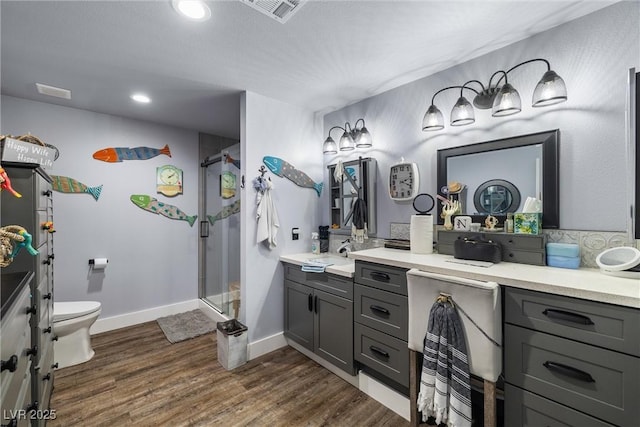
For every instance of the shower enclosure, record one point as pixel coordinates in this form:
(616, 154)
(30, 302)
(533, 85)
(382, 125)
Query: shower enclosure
(220, 231)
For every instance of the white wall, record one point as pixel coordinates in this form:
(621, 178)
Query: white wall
(592, 54)
(273, 128)
(152, 259)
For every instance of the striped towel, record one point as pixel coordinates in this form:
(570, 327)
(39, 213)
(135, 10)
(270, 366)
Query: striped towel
(314, 266)
(445, 388)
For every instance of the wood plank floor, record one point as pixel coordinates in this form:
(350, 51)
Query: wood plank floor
(138, 378)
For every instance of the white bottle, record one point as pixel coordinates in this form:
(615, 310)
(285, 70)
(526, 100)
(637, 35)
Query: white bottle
(315, 243)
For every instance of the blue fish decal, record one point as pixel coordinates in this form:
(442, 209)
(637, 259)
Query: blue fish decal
(282, 168)
(230, 159)
(118, 154)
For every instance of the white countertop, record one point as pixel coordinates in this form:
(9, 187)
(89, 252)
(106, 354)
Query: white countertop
(586, 283)
(341, 266)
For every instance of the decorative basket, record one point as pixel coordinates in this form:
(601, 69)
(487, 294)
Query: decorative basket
(8, 235)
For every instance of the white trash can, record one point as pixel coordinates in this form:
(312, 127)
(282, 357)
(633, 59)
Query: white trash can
(232, 344)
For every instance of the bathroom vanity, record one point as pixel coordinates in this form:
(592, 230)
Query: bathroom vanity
(593, 369)
(34, 212)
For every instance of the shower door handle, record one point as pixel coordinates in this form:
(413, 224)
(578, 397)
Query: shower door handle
(204, 228)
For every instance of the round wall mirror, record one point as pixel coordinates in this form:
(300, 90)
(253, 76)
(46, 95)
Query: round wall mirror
(496, 196)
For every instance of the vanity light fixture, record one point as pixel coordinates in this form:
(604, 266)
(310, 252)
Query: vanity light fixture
(195, 10)
(502, 100)
(351, 138)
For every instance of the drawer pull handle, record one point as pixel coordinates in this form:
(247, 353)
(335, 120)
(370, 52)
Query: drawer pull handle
(569, 371)
(32, 310)
(379, 309)
(47, 377)
(315, 303)
(310, 302)
(47, 330)
(47, 296)
(11, 364)
(33, 351)
(380, 277)
(379, 351)
(47, 193)
(568, 316)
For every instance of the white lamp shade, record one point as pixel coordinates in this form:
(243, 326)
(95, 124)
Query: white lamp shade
(346, 142)
(329, 146)
(462, 113)
(364, 139)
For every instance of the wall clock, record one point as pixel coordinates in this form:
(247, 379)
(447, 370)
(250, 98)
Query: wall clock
(404, 181)
(169, 180)
(227, 185)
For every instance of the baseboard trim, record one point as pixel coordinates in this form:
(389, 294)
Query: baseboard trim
(353, 380)
(265, 345)
(129, 319)
(385, 395)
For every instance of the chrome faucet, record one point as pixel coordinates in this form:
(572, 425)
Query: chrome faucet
(345, 247)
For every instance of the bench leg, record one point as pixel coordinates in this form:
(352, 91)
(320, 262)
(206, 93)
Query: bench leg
(489, 404)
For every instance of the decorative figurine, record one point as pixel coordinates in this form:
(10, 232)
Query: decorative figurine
(48, 227)
(5, 183)
(448, 209)
(490, 222)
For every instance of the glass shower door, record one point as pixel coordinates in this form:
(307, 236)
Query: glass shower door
(220, 231)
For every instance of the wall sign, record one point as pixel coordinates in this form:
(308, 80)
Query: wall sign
(25, 152)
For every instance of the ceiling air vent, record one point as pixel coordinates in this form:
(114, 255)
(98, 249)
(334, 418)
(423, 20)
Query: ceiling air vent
(280, 10)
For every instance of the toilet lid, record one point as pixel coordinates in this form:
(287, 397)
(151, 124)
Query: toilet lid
(70, 310)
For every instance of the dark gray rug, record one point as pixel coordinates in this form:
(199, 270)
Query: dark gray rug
(183, 326)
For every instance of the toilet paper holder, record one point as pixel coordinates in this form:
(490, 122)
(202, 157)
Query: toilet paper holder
(98, 261)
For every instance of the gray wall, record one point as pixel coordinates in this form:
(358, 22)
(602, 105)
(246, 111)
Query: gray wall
(152, 259)
(592, 54)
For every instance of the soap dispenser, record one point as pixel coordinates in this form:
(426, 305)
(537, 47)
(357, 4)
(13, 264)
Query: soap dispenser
(315, 243)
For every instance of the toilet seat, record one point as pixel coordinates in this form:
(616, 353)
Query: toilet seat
(73, 309)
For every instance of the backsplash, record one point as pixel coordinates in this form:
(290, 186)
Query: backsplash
(591, 243)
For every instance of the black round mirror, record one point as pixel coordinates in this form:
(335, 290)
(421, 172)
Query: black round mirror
(496, 196)
(423, 203)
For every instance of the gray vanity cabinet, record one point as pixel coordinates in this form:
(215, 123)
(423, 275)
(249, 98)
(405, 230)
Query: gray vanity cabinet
(319, 314)
(381, 323)
(570, 360)
(32, 211)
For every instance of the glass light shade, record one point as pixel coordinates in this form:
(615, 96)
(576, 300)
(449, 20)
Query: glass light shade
(462, 113)
(549, 90)
(507, 102)
(433, 119)
(329, 146)
(346, 142)
(364, 140)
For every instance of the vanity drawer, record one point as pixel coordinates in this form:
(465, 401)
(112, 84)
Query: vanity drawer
(391, 279)
(596, 381)
(384, 311)
(510, 241)
(43, 192)
(605, 325)
(523, 257)
(331, 283)
(385, 354)
(526, 409)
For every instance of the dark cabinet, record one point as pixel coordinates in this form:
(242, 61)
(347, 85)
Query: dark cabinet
(33, 211)
(581, 358)
(319, 314)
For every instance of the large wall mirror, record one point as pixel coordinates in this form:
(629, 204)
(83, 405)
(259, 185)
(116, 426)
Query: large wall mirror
(498, 176)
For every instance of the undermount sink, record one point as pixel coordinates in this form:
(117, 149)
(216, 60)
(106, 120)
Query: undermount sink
(333, 259)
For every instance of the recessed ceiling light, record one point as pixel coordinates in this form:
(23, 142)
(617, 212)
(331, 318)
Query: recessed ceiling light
(141, 98)
(195, 10)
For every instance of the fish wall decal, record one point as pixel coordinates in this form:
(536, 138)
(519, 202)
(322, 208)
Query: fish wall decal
(118, 154)
(282, 168)
(64, 184)
(227, 211)
(230, 159)
(152, 204)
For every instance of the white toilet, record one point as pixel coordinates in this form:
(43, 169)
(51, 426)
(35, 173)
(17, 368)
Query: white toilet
(71, 323)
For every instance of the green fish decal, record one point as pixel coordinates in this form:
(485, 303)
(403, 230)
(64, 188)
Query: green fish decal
(227, 211)
(151, 204)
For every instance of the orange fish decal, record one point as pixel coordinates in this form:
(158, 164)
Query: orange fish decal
(118, 154)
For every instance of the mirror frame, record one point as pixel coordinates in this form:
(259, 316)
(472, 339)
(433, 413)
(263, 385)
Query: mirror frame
(550, 141)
